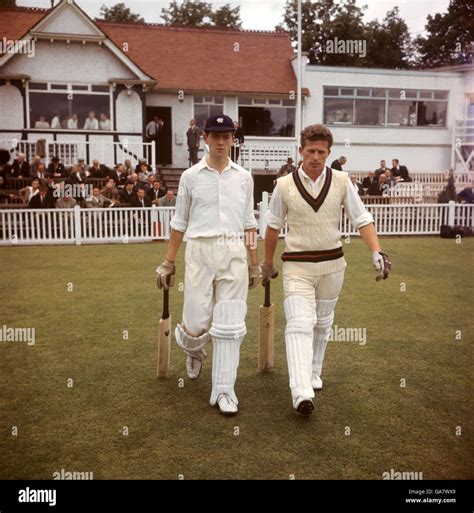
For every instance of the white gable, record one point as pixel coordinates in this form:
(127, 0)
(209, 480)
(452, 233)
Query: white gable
(68, 19)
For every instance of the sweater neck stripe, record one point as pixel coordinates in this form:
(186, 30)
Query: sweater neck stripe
(315, 203)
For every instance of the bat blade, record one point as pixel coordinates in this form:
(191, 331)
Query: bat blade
(266, 337)
(164, 345)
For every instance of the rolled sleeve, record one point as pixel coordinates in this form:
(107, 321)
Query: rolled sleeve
(180, 220)
(355, 208)
(276, 214)
(250, 221)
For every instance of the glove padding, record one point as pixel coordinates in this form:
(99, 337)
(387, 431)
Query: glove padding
(267, 272)
(254, 275)
(165, 275)
(382, 265)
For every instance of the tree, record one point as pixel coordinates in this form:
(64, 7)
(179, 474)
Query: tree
(200, 14)
(120, 14)
(450, 36)
(6, 4)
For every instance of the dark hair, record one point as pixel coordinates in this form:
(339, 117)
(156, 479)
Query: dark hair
(316, 133)
(396, 160)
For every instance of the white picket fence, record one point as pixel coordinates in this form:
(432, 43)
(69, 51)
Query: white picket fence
(123, 225)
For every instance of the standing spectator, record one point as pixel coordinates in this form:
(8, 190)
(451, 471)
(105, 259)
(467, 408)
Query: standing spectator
(91, 122)
(357, 185)
(338, 163)
(20, 168)
(169, 200)
(104, 122)
(194, 137)
(239, 140)
(141, 200)
(127, 194)
(156, 193)
(383, 167)
(72, 122)
(401, 171)
(42, 199)
(56, 169)
(287, 168)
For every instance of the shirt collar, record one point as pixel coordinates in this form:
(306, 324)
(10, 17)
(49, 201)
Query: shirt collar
(204, 165)
(306, 177)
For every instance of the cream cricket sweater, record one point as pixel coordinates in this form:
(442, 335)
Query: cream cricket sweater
(313, 231)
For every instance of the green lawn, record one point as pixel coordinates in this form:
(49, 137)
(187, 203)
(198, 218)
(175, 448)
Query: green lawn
(172, 430)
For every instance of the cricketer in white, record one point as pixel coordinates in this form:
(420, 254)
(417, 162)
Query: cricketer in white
(309, 201)
(215, 209)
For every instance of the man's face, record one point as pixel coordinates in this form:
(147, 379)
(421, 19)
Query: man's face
(170, 194)
(21, 158)
(387, 173)
(95, 163)
(353, 178)
(382, 164)
(156, 185)
(372, 174)
(35, 184)
(192, 122)
(128, 163)
(37, 159)
(382, 179)
(95, 191)
(129, 187)
(219, 143)
(41, 168)
(141, 193)
(394, 163)
(314, 155)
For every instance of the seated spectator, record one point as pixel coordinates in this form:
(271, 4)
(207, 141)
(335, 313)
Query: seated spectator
(466, 195)
(76, 175)
(127, 167)
(110, 191)
(104, 122)
(66, 201)
(56, 168)
(34, 165)
(169, 200)
(20, 168)
(29, 191)
(72, 122)
(400, 171)
(139, 165)
(338, 163)
(55, 122)
(390, 180)
(141, 200)
(127, 194)
(383, 167)
(82, 164)
(370, 182)
(144, 173)
(98, 170)
(42, 123)
(97, 200)
(156, 193)
(287, 168)
(133, 177)
(42, 199)
(91, 122)
(357, 185)
(118, 175)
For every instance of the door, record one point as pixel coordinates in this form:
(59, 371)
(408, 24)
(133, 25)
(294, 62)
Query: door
(163, 141)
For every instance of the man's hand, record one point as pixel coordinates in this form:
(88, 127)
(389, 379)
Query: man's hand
(267, 271)
(382, 265)
(165, 275)
(254, 275)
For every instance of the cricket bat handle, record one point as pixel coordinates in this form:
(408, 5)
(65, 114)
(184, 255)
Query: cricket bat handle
(267, 333)
(164, 338)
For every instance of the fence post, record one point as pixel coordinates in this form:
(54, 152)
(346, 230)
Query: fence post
(263, 211)
(77, 224)
(451, 207)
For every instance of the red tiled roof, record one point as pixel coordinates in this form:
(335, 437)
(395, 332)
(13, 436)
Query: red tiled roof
(191, 59)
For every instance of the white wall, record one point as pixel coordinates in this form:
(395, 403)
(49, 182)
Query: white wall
(60, 62)
(420, 149)
(11, 111)
(128, 112)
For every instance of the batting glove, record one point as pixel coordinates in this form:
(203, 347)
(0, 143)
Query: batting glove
(267, 272)
(165, 275)
(254, 275)
(382, 265)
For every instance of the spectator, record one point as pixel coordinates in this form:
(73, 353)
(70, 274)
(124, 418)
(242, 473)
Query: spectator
(389, 178)
(42, 199)
(42, 123)
(82, 164)
(193, 136)
(357, 185)
(66, 201)
(97, 200)
(98, 170)
(156, 193)
(72, 122)
(56, 169)
(239, 140)
(400, 171)
(338, 163)
(118, 175)
(144, 173)
(34, 165)
(20, 168)
(104, 122)
(29, 191)
(141, 200)
(142, 162)
(77, 176)
(111, 192)
(169, 200)
(383, 167)
(55, 122)
(127, 194)
(127, 167)
(91, 122)
(370, 183)
(466, 195)
(134, 179)
(287, 168)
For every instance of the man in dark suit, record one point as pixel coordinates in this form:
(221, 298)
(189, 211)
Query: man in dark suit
(56, 169)
(118, 175)
(154, 194)
(193, 136)
(127, 194)
(141, 200)
(239, 140)
(371, 184)
(76, 175)
(338, 163)
(401, 171)
(357, 185)
(381, 170)
(43, 199)
(20, 167)
(98, 170)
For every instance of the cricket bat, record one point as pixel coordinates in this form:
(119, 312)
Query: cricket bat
(164, 340)
(266, 332)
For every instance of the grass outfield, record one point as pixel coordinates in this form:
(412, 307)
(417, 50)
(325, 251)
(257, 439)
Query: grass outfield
(425, 427)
